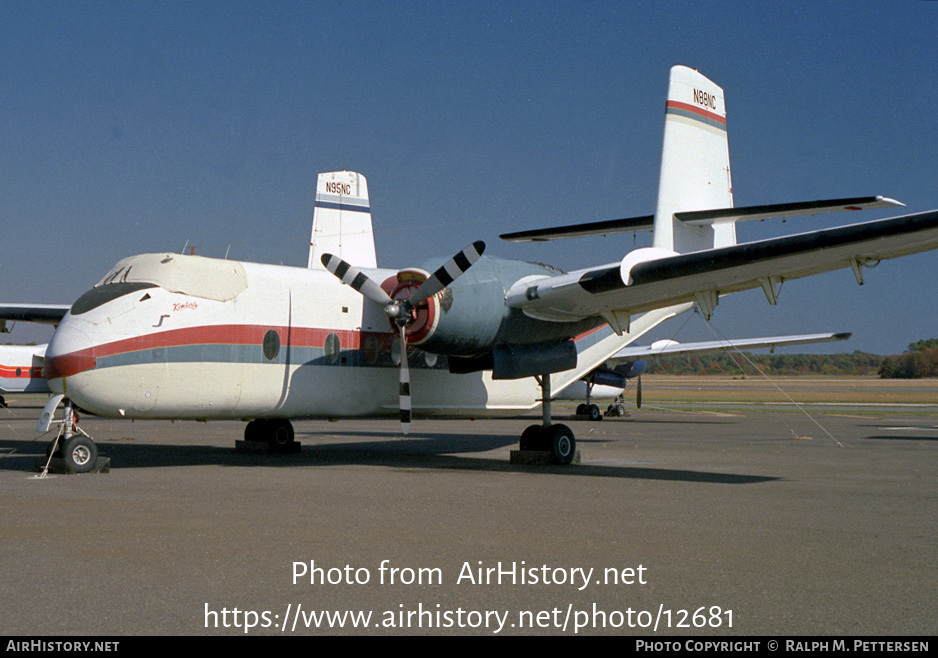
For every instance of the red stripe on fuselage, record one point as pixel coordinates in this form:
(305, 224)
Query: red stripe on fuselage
(73, 363)
(66, 365)
(26, 372)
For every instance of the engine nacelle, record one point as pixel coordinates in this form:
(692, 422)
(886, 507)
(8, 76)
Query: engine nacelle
(618, 376)
(470, 317)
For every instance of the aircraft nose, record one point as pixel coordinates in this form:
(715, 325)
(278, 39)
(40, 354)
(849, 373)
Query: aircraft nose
(70, 352)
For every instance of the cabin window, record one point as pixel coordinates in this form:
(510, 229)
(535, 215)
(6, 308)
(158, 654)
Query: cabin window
(271, 345)
(332, 348)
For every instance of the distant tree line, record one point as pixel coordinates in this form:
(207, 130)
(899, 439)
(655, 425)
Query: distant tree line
(780, 365)
(919, 360)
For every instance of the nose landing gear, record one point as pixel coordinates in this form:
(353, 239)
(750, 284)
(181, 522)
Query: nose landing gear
(73, 450)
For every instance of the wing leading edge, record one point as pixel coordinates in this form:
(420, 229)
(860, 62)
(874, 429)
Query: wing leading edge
(658, 278)
(39, 313)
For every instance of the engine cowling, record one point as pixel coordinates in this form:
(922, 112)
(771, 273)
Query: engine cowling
(470, 317)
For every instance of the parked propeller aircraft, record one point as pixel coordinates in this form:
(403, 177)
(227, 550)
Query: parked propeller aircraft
(21, 370)
(21, 365)
(189, 337)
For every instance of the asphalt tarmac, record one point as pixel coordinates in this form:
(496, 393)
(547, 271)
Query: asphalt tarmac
(675, 523)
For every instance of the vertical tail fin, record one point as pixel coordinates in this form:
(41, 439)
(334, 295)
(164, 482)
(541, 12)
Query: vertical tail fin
(695, 164)
(342, 220)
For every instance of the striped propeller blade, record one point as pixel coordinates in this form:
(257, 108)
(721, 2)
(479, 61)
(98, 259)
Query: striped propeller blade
(449, 272)
(354, 277)
(404, 403)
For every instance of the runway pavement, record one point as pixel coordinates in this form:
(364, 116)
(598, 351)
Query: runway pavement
(674, 523)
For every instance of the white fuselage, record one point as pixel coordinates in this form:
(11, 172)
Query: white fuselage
(159, 354)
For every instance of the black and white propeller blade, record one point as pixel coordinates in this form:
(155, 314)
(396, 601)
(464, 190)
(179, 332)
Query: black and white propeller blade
(448, 272)
(354, 277)
(401, 311)
(404, 404)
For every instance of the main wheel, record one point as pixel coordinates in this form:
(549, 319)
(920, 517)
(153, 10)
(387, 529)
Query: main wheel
(593, 412)
(581, 409)
(563, 444)
(254, 430)
(532, 438)
(80, 454)
(279, 434)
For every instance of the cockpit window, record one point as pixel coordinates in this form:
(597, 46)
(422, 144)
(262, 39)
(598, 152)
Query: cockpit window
(103, 294)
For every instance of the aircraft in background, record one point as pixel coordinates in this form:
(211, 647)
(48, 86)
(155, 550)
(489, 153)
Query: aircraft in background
(187, 337)
(21, 370)
(610, 380)
(21, 365)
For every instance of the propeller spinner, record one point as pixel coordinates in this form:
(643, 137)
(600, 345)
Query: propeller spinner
(401, 311)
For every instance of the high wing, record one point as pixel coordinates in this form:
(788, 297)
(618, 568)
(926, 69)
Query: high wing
(39, 313)
(654, 277)
(670, 347)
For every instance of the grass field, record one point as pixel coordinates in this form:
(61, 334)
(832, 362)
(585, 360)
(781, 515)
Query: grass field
(674, 389)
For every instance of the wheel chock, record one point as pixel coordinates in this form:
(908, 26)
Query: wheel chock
(59, 466)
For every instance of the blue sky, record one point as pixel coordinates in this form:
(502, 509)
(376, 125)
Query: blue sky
(138, 127)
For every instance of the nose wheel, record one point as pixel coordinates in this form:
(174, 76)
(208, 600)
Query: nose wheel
(276, 432)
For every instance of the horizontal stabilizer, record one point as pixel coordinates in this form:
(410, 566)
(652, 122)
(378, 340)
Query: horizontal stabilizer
(702, 218)
(607, 227)
(752, 213)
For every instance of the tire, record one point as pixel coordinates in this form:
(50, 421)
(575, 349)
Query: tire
(279, 434)
(80, 454)
(563, 444)
(254, 431)
(532, 438)
(594, 413)
(581, 410)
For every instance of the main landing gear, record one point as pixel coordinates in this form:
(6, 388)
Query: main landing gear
(277, 432)
(590, 410)
(557, 439)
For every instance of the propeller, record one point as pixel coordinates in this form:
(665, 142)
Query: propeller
(638, 393)
(402, 311)
(404, 400)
